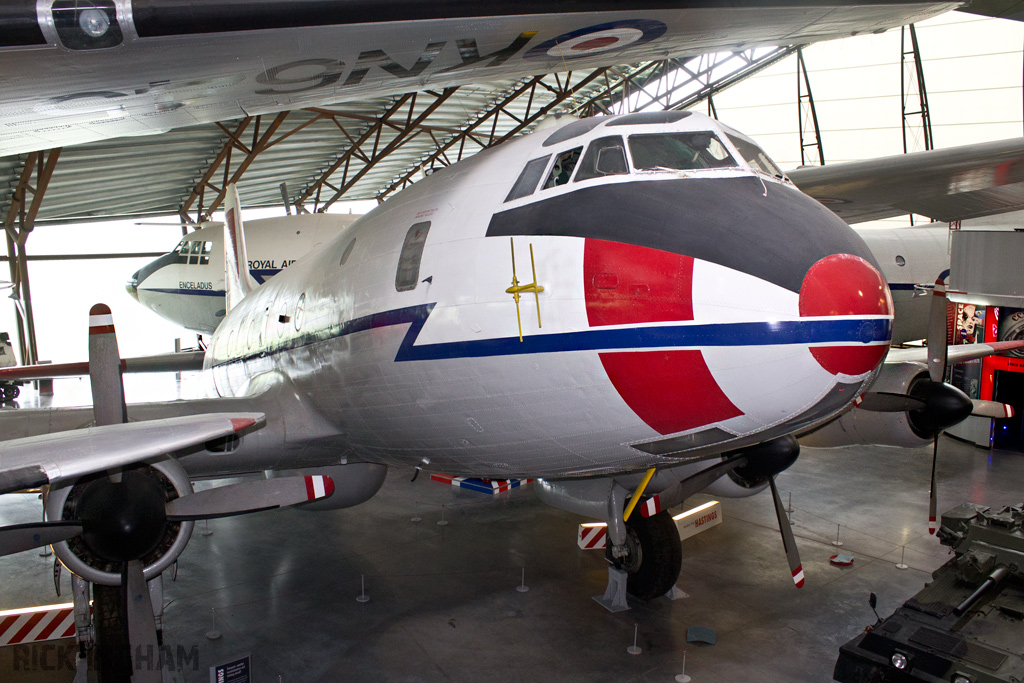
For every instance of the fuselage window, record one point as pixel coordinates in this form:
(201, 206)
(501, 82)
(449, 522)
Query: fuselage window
(756, 157)
(563, 167)
(679, 151)
(348, 252)
(408, 274)
(254, 326)
(605, 156)
(528, 179)
(300, 310)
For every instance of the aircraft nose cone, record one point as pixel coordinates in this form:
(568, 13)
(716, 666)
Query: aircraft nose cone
(132, 286)
(847, 285)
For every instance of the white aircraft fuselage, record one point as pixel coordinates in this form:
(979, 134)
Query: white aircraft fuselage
(186, 285)
(188, 288)
(691, 301)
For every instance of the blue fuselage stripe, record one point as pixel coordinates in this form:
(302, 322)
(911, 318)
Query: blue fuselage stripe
(668, 336)
(192, 292)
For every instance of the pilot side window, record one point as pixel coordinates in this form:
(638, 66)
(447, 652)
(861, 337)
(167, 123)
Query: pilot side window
(679, 151)
(528, 179)
(756, 157)
(182, 251)
(408, 274)
(605, 156)
(563, 168)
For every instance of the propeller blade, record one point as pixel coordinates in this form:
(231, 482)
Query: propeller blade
(141, 626)
(788, 542)
(108, 404)
(249, 496)
(932, 523)
(992, 409)
(937, 326)
(886, 402)
(20, 537)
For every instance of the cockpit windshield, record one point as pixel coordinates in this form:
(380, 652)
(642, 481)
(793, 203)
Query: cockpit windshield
(679, 151)
(755, 156)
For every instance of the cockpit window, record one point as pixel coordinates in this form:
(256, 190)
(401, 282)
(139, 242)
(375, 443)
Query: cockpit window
(755, 156)
(528, 179)
(562, 170)
(193, 252)
(679, 151)
(204, 256)
(605, 156)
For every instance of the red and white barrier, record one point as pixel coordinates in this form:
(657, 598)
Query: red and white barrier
(593, 535)
(36, 624)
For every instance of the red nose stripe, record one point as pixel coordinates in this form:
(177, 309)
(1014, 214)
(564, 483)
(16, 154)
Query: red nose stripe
(843, 284)
(671, 391)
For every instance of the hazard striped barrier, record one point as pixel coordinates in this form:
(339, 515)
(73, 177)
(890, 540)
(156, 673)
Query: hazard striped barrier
(592, 536)
(37, 624)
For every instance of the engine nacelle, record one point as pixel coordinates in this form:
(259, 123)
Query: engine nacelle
(763, 461)
(75, 554)
(354, 483)
(885, 429)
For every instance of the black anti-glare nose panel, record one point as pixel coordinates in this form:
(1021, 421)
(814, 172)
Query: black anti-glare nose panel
(770, 231)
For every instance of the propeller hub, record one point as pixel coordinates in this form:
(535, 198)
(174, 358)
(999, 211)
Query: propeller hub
(945, 406)
(766, 460)
(123, 520)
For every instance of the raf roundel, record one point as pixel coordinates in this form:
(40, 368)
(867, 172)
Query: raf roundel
(847, 285)
(598, 39)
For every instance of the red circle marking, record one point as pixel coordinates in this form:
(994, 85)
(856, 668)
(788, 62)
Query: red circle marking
(595, 43)
(843, 284)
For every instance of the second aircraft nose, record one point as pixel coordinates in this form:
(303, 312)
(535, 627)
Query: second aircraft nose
(132, 286)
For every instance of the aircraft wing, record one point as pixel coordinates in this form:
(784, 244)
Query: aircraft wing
(77, 72)
(954, 354)
(1001, 9)
(52, 458)
(183, 361)
(945, 185)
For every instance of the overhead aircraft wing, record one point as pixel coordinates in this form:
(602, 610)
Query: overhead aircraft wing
(1001, 9)
(77, 72)
(954, 354)
(182, 361)
(52, 458)
(951, 184)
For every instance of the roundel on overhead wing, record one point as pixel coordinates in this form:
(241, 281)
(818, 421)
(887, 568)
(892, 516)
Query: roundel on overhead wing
(593, 40)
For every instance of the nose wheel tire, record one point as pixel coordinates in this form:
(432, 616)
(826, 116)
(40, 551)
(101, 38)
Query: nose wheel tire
(655, 555)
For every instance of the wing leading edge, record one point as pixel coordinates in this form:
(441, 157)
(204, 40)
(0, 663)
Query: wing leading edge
(957, 183)
(53, 458)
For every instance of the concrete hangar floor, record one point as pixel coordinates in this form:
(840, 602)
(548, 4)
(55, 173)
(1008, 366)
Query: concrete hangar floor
(443, 601)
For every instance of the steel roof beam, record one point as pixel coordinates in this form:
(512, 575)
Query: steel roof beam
(405, 132)
(560, 91)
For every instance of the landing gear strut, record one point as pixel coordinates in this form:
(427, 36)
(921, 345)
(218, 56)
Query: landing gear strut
(645, 552)
(654, 555)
